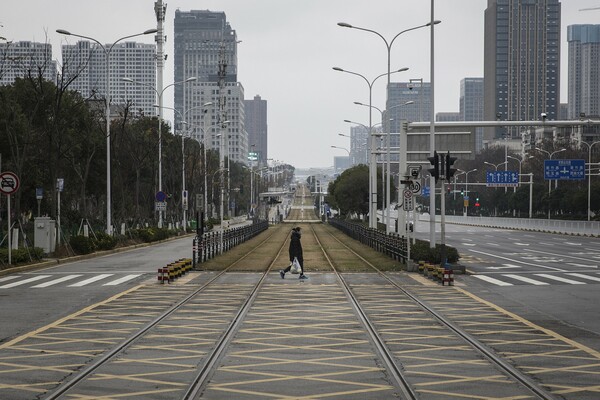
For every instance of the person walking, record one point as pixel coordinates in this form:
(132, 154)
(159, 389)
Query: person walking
(295, 251)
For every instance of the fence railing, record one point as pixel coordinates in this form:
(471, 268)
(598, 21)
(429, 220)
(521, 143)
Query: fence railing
(211, 244)
(586, 228)
(390, 244)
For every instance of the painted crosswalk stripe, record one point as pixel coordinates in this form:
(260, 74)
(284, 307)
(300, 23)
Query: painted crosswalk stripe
(525, 279)
(90, 280)
(121, 280)
(56, 281)
(493, 280)
(8, 278)
(24, 282)
(559, 279)
(591, 278)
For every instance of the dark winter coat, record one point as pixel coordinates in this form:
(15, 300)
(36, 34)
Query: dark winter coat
(295, 246)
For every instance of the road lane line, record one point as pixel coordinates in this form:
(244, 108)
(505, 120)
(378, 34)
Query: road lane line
(90, 280)
(518, 261)
(56, 281)
(121, 280)
(559, 279)
(24, 282)
(525, 279)
(583, 265)
(8, 278)
(493, 280)
(559, 255)
(591, 278)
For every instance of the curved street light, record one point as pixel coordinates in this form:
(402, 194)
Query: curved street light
(589, 211)
(159, 94)
(372, 156)
(403, 137)
(107, 110)
(549, 180)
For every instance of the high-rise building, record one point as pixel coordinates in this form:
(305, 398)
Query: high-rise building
(521, 62)
(447, 116)
(86, 63)
(206, 48)
(399, 93)
(256, 126)
(471, 105)
(584, 70)
(22, 59)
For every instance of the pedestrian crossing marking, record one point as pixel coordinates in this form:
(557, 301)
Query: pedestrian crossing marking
(56, 281)
(558, 278)
(591, 278)
(8, 278)
(121, 280)
(90, 280)
(24, 282)
(493, 280)
(526, 279)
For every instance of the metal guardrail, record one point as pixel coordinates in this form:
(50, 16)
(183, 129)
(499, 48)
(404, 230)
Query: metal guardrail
(209, 245)
(584, 228)
(390, 244)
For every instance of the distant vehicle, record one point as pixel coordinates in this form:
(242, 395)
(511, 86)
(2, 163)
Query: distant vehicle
(7, 183)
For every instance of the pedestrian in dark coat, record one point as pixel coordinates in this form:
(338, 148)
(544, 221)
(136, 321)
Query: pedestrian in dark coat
(295, 251)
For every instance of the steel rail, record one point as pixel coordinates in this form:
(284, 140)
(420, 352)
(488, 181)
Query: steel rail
(477, 345)
(65, 387)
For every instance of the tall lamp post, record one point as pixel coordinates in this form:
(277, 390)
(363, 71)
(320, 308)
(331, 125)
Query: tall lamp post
(589, 211)
(465, 209)
(549, 180)
(159, 94)
(386, 186)
(372, 156)
(403, 139)
(107, 52)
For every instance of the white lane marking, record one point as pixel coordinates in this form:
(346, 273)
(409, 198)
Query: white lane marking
(573, 244)
(493, 280)
(521, 244)
(469, 244)
(56, 281)
(561, 255)
(583, 265)
(8, 278)
(591, 278)
(492, 244)
(24, 282)
(90, 280)
(558, 278)
(121, 280)
(525, 279)
(505, 266)
(518, 261)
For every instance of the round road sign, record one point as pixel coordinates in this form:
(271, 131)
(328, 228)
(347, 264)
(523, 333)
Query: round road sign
(9, 182)
(161, 196)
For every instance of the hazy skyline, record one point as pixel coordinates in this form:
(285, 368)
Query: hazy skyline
(288, 50)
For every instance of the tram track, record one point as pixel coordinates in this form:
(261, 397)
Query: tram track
(403, 382)
(68, 388)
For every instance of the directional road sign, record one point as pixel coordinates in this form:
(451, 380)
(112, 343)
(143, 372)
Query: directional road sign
(501, 178)
(425, 191)
(564, 169)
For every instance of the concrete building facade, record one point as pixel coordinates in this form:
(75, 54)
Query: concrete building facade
(584, 70)
(257, 127)
(22, 59)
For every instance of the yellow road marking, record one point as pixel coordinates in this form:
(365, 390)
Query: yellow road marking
(532, 325)
(68, 317)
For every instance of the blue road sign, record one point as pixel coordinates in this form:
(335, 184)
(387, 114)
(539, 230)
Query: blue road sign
(425, 191)
(161, 196)
(569, 170)
(501, 178)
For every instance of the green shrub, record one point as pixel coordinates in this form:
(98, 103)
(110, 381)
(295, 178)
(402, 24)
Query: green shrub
(421, 251)
(104, 241)
(21, 255)
(82, 245)
(152, 234)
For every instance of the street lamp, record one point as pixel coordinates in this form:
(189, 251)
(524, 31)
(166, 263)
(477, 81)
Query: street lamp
(372, 157)
(403, 138)
(495, 165)
(159, 94)
(466, 210)
(589, 211)
(549, 180)
(388, 161)
(107, 110)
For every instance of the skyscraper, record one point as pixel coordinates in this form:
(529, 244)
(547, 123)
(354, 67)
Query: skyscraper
(206, 48)
(21, 59)
(522, 61)
(86, 62)
(584, 70)
(256, 126)
(471, 105)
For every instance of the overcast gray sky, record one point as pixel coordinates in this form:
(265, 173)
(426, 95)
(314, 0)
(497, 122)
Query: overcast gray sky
(289, 47)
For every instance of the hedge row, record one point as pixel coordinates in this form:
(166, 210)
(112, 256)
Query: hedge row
(102, 241)
(420, 251)
(21, 255)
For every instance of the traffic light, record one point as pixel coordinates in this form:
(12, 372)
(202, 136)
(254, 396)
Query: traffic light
(448, 188)
(449, 171)
(435, 162)
(462, 191)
